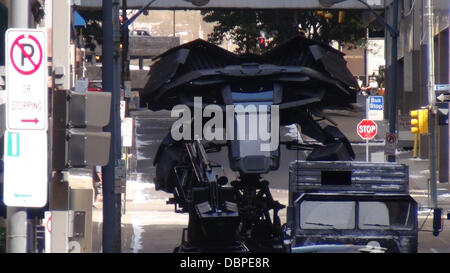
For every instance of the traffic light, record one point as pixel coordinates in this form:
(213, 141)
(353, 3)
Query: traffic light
(325, 14)
(419, 121)
(414, 114)
(341, 16)
(78, 121)
(262, 42)
(319, 13)
(328, 15)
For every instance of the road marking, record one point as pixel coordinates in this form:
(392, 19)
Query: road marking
(418, 195)
(434, 250)
(443, 240)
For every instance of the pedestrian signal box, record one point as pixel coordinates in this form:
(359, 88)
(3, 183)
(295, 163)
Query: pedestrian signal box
(78, 139)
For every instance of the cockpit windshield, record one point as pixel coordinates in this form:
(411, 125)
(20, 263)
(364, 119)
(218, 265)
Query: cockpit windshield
(252, 119)
(365, 215)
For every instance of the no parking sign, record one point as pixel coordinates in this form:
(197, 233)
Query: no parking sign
(26, 80)
(390, 144)
(26, 54)
(26, 139)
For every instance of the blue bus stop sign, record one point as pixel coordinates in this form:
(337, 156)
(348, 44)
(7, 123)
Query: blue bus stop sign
(375, 108)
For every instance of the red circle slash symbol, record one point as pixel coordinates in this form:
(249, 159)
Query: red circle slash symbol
(26, 55)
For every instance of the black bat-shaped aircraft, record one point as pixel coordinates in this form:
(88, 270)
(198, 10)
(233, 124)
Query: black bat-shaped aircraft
(301, 77)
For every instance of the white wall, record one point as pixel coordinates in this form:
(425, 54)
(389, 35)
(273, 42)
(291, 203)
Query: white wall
(375, 55)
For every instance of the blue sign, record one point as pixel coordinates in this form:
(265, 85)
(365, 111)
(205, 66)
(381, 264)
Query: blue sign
(376, 103)
(374, 108)
(442, 87)
(442, 113)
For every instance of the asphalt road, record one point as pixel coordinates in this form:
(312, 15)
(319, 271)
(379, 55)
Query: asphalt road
(149, 225)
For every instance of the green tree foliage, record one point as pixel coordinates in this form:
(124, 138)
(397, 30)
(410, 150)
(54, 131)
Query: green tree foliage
(245, 26)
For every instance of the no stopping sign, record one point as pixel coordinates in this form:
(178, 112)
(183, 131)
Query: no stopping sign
(26, 79)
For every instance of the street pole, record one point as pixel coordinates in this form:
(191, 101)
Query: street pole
(366, 57)
(111, 83)
(432, 121)
(428, 16)
(125, 43)
(16, 238)
(367, 150)
(393, 79)
(173, 26)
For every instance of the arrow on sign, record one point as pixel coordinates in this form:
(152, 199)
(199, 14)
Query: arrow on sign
(443, 111)
(22, 195)
(443, 97)
(35, 120)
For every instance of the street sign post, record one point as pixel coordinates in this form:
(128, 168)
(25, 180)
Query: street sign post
(367, 129)
(26, 141)
(26, 80)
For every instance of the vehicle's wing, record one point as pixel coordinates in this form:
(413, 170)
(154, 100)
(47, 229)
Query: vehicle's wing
(306, 67)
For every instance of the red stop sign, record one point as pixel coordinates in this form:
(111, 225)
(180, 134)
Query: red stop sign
(366, 129)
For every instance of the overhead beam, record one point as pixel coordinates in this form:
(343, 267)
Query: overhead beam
(238, 4)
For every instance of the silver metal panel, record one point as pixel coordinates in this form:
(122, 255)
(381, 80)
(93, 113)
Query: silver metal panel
(98, 105)
(81, 202)
(86, 148)
(365, 176)
(60, 232)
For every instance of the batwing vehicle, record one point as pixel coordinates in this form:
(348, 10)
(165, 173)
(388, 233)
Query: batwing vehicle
(296, 81)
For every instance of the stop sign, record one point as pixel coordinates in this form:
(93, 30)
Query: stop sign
(366, 129)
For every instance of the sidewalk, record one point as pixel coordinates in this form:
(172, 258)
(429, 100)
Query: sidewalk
(419, 175)
(151, 226)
